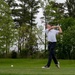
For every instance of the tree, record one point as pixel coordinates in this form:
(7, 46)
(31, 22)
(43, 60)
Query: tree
(24, 16)
(43, 5)
(68, 27)
(54, 12)
(6, 28)
(71, 23)
(71, 8)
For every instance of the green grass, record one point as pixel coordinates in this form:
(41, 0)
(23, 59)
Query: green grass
(33, 67)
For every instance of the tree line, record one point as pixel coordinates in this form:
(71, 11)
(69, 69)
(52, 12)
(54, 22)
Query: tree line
(18, 27)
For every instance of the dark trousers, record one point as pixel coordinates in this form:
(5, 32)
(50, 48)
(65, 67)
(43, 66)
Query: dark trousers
(51, 47)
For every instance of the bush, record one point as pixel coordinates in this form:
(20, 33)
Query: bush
(13, 54)
(24, 53)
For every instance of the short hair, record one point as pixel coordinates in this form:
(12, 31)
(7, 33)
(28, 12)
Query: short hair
(49, 24)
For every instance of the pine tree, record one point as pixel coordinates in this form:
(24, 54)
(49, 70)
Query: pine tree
(24, 15)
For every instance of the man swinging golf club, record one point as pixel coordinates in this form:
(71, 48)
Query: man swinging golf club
(51, 33)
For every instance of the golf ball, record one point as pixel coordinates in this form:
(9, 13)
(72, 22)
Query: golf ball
(11, 65)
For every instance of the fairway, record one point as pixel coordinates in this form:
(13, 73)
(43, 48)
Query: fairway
(33, 67)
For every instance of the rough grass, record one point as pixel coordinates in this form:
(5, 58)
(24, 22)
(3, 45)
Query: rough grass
(33, 67)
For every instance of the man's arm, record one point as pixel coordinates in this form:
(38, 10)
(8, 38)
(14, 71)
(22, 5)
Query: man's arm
(59, 28)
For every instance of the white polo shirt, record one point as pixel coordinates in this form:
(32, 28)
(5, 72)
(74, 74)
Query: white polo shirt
(51, 35)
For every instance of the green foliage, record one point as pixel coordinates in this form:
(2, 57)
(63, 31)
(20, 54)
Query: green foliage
(71, 8)
(24, 16)
(67, 22)
(54, 12)
(66, 41)
(6, 28)
(26, 33)
(26, 11)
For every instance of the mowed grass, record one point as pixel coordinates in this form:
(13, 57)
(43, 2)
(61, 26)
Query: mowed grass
(33, 67)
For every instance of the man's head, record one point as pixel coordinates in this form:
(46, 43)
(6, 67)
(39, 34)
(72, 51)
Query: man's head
(49, 26)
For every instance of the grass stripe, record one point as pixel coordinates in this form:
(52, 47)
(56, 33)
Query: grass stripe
(33, 67)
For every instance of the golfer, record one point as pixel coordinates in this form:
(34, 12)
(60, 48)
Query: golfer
(51, 33)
